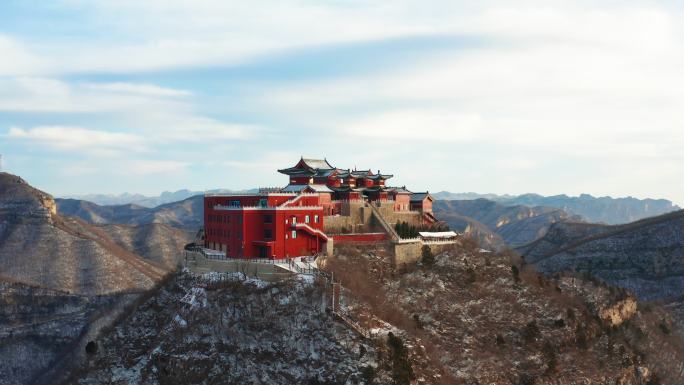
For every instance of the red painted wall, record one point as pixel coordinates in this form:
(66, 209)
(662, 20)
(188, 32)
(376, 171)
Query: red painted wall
(300, 180)
(427, 204)
(402, 202)
(241, 232)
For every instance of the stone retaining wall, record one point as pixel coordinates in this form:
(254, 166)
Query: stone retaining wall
(266, 271)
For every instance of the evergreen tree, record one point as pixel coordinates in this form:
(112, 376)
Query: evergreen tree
(427, 257)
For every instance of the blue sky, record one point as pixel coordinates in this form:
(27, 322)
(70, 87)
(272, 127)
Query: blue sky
(488, 96)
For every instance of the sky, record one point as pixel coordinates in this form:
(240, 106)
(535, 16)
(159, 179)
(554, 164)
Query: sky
(493, 96)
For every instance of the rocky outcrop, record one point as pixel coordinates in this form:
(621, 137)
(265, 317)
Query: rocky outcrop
(21, 202)
(222, 329)
(616, 314)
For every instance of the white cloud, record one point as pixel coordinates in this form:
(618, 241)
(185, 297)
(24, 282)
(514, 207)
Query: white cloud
(124, 167)
(150, 110)
(79, 139)
(418, 125)
(612, 87)
(575, 81)
(16, 59)
(147, 167)
(172, 34)
(137, 89)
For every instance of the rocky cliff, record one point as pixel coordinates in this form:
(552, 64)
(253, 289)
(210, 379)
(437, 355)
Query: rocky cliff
(225, 329)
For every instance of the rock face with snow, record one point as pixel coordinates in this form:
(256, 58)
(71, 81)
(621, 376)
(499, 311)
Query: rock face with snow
(40, 328)
(478, 320)
(222, 329)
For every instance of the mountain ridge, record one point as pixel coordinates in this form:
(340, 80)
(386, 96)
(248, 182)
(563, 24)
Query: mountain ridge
(645, 257)
(38, 246)
(496, 225)
(593, 209)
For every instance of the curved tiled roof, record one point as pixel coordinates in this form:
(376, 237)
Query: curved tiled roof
(420, 196)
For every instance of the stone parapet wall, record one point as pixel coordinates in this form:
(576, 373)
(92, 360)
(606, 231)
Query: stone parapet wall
(413, 218)
(407, 253)
(360, 238)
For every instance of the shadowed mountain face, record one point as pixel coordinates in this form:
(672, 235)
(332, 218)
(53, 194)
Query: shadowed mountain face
(592, 209)
(187, 214)
(646, 257)
(496, 225)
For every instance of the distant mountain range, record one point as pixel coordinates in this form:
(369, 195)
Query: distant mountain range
(187, 213)
(592, 209)
(148, 201)
(496, 225)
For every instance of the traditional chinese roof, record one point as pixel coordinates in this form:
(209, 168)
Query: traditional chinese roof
(301, 187)
(318, 164)
(376, 189)
(346, 189)
(399, 190)
(361, 173)
(379, 176)
(420, 196)
(307, 167)
(322, 173)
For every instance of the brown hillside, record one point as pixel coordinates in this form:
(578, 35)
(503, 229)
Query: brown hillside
(41, 248)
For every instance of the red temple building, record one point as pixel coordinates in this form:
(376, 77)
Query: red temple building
(287, 222)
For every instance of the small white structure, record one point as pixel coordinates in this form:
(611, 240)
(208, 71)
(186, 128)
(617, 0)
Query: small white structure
(438, 237)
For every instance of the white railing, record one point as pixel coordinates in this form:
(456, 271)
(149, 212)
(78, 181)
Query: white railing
(439, 242)
(428, 242)
(409, 240)
(301, 265)
(268, 190)
(348, 201)
(311, 229)
(248, 194)
(231, 208)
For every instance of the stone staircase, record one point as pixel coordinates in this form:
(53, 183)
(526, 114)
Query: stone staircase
(386, 226)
